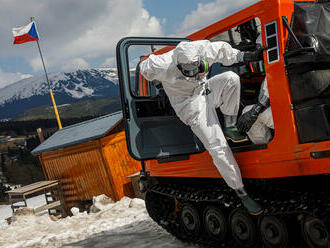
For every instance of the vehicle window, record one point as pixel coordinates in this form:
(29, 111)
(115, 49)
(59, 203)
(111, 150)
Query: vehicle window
(244, 37)
(241, 34)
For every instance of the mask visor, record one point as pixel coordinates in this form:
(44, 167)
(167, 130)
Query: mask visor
(189, 70)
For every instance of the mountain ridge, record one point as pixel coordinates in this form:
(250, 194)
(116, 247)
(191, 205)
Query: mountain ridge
(68, 87)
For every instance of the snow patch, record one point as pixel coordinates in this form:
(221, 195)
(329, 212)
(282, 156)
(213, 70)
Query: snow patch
(64, 105)
(117, 224)
(74, 211)
(79, 91)
(6, 212)
(102, 202)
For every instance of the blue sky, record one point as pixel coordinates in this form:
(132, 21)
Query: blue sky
(79, 34)
(174, 11)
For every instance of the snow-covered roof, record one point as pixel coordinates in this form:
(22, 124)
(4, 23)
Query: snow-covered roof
(80, 133)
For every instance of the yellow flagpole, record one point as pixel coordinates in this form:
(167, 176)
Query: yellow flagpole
(50, 89)
(55, 109)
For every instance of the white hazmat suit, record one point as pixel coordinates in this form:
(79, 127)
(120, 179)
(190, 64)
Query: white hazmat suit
(193, 106)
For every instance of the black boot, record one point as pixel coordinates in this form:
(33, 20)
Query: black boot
(232, 134)
(252, 206)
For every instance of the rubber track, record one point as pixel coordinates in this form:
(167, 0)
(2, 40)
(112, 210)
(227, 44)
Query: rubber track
(283, 203)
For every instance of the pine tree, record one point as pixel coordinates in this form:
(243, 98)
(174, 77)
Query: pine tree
(3, 167)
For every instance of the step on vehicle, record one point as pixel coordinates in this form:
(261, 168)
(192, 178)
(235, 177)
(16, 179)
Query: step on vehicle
(288, 176)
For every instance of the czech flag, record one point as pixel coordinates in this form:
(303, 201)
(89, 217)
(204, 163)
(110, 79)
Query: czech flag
(25, 34)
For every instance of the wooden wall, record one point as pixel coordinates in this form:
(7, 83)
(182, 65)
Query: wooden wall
(92, 168)
(120, 163)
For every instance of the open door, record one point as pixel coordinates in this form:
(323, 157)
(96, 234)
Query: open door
(153, 131)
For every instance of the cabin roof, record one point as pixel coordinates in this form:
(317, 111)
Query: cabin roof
(80, 133)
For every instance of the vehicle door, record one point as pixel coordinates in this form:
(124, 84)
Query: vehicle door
(153, 131)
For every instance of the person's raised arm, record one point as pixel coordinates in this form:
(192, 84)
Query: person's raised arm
(155, 66)
(224, 53)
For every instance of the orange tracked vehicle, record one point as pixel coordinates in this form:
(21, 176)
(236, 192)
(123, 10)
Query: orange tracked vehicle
(289, 175)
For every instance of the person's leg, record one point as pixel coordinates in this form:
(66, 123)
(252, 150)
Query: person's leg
(225, 94)
(207, 128)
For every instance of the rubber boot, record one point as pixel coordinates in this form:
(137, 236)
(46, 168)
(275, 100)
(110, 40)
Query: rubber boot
(232, 134)
(252, 206)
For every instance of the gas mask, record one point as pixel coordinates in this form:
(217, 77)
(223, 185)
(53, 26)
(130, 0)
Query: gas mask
(194, 68)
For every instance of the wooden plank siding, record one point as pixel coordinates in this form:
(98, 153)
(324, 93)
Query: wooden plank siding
(92, 168)
(120, 163)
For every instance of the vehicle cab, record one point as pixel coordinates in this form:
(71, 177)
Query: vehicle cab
(296, 65)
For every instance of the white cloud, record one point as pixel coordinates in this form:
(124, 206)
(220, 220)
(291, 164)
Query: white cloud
(36, 63)
(144, 24)
(110, 62)
(75, 64)
(78, 33)
(71, 29)
(7, 78)
(209, 13)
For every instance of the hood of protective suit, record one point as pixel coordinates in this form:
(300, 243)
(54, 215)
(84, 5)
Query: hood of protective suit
(186, 53)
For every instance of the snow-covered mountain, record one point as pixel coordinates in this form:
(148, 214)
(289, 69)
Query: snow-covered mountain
(67, 87)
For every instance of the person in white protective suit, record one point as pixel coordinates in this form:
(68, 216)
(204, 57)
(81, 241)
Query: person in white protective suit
(195, 98)
(257, 120)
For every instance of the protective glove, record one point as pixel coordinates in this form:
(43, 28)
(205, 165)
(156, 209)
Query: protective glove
(246, 120)
(255, 55)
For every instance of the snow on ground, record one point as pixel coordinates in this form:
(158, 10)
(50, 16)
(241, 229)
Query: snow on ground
(117, 225)
(5, 210)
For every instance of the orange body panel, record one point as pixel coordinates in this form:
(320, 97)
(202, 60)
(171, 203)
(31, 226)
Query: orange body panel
(284, 156)
(93, 168)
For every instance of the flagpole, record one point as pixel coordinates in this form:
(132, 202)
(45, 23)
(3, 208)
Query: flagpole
(50, 89)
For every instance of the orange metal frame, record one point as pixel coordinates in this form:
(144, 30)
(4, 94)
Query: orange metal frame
(284, 156)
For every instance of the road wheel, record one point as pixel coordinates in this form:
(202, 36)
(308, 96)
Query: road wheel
(314, 233)
(190, 219)
(243, 228)
(274, 232)
(215, 223)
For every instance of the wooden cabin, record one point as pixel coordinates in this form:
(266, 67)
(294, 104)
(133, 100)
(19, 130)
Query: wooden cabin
(89, 158)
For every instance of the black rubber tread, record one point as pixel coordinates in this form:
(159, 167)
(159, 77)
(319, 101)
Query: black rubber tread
(289, 205)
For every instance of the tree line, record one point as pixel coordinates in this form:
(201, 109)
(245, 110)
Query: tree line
(19, 128)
